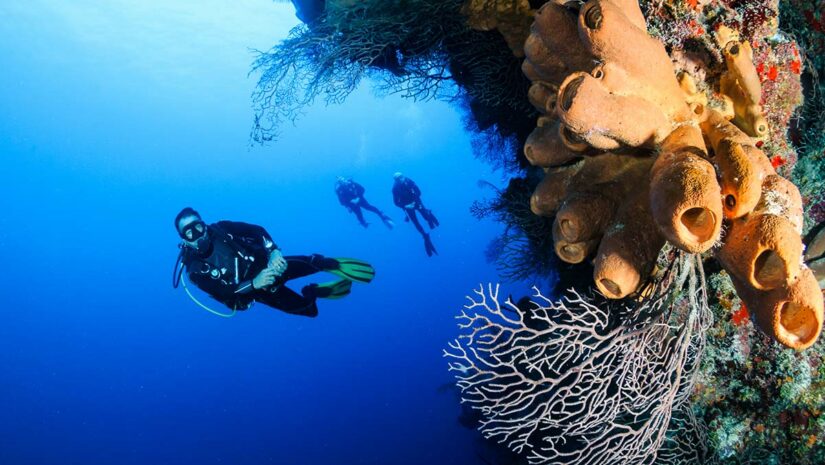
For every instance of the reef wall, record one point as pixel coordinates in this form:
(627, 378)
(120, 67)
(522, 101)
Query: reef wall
(653, 134)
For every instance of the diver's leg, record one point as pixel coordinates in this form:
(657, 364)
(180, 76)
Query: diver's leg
(427, 214)
(287, 300)
(368, 206)
(412, 216)
(298, 266)
(360, 215)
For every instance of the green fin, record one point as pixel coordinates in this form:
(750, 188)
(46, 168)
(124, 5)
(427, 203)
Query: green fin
(334, 289)
(354, 270)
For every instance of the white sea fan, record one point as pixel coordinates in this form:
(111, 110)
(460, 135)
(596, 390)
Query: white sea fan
(580, 382)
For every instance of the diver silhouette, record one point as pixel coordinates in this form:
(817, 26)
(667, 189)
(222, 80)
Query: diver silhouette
(351, 196)
(407, 196)
(238, 264)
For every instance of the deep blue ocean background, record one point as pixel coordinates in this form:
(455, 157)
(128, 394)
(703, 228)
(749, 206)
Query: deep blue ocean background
(116, 114)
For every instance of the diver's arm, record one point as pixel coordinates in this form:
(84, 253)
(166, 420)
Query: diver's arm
(339, 192)
(414, 188)
(396, 198)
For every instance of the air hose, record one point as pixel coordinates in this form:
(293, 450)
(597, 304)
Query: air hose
(177, 278)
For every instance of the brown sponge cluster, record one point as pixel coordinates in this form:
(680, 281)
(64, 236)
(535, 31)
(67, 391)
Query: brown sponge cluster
(634, 157)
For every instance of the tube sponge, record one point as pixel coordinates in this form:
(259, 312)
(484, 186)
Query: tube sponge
(628, 249)
(741, 84)
(608, 120)
(553, 49)
(742, 166)
(545, 148)
(762, 251)
(706, 172)
(684, 194)
(791, 314)
(572, 252)
(551, 191)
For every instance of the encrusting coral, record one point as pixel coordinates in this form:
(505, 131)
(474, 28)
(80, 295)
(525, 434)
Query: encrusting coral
(608, 91)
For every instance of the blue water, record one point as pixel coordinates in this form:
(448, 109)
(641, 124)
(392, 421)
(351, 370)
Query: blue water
(113, 116)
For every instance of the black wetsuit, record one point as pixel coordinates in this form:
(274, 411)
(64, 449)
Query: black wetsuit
(237, 252)
(407, 196)
(351, 196)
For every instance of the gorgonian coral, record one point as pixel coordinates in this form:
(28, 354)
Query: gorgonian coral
(581, 381)
(421, 49)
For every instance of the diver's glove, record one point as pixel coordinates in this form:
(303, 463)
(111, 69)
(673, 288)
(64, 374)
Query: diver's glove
(264, 279)
(277, 262)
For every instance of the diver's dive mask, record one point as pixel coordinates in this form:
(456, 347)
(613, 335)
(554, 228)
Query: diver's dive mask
(193, 231)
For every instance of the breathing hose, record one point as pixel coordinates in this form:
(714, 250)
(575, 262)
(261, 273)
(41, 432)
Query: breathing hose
(177, 278)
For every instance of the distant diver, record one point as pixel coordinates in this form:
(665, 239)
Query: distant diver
(407, 196)
(351, 196)
(238, 264)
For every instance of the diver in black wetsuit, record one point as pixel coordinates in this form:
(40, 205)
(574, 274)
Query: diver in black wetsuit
(407, 196)
(238, 264)
(351, 196)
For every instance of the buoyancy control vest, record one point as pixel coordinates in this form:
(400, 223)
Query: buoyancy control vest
(229, 261)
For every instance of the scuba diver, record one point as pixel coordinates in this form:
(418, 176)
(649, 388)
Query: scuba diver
(407, 196)
(239, 264)
(351, 196)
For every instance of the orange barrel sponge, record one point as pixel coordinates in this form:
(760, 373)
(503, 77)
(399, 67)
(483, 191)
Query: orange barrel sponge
(544, 147)
(791, 314)
(741, 83)
(608, 120)
(560, 182)
(592, 203)
(781, 197)
(552, 190)
(553, 49)
(585, 215)
(739, 60)
(607, 27)
(716, 127)
(628, 249)
(742, 166)
(572, 252)
(763, 250)
(684, 194)
(543, 96)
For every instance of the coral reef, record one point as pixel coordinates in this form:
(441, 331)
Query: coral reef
(594, 71)
(760, 403)
(755, 402)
